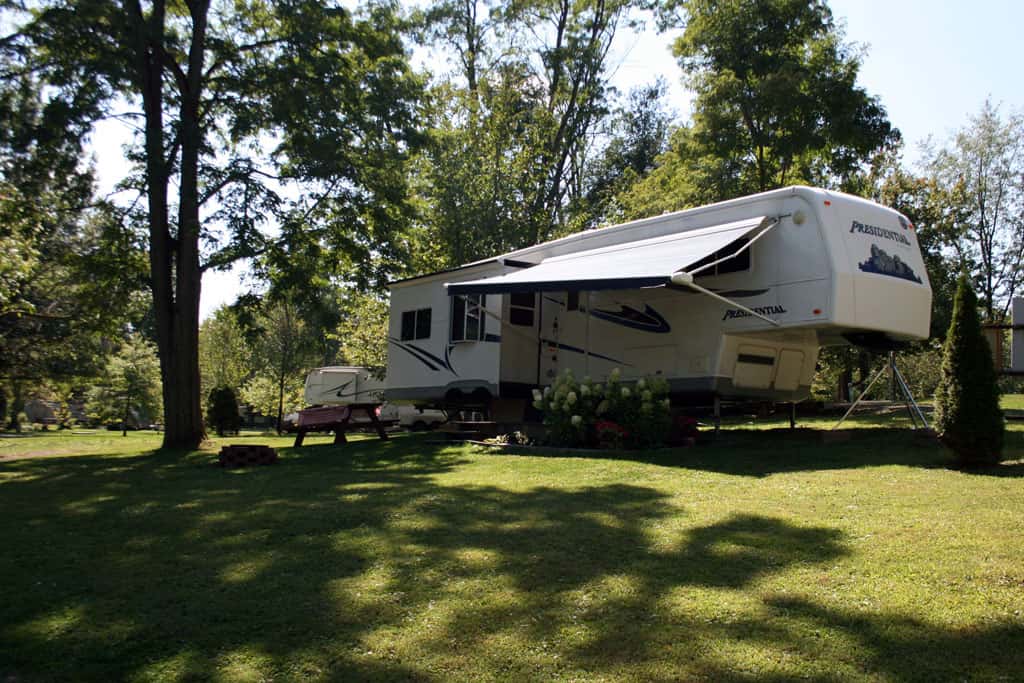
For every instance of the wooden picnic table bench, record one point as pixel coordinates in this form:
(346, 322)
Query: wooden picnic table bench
(336, 419)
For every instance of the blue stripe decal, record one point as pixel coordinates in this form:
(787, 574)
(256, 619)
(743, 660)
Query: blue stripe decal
(648, 320)
(576, 349)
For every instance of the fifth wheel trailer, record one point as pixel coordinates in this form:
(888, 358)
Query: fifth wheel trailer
(732, 300)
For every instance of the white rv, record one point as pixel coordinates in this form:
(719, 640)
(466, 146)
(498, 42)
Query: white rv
(342, 385)
(732, 300)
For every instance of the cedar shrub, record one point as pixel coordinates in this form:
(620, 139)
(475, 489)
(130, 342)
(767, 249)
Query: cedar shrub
(222, 411)
(967, 414)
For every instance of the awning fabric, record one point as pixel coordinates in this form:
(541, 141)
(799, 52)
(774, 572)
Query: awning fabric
(644, 263)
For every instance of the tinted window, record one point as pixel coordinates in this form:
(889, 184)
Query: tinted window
(524, 299)
(468, 323)
(408, 325)
(520, 310)
(416, 324)
(521, 316)
(735, 264)
(423, 323)
(458, 318)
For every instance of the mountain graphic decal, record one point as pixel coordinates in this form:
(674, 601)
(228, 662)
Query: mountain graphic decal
(881, 263)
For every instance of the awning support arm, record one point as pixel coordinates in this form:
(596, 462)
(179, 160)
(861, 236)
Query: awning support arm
(748, 245)
(686, 279)
(505, 325)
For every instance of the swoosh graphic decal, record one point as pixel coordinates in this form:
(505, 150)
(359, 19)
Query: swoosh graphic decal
(414, 354)
(440, 361)
(340, 388)
(648, 320)
(576, 349)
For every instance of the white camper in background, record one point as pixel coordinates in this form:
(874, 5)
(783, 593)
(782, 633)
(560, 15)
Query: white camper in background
(732, 300)
(342, 386)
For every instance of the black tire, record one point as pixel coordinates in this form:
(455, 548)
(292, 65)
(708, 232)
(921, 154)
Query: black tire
(419, 426)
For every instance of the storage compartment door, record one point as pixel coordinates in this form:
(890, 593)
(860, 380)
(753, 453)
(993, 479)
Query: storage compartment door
(791, 365)
(755, 366)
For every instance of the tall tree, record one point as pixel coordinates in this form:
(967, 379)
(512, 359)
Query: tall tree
(71, 271)
(981, 176)
(241, 104)
(225, 359)
(363, 331)
(284, 349)
(511, 125)
(639, 131)
(777, 100)
(130, 390)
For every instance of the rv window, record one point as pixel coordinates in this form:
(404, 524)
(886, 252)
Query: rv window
(572, 301)
(423, 323)
(416, 324)
(408, 325)
(736, 264)
(520, 309)
(468, 319)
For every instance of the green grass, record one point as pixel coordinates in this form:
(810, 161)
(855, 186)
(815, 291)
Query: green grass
(765, 555)
(1012, 402)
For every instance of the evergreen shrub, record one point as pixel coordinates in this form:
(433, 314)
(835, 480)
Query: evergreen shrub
(967, 414)
(222, 411)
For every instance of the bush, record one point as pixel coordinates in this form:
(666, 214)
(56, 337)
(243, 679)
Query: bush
(222, 411)
(610, 415)
(967, 414)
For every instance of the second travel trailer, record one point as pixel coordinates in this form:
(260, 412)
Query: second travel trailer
(732, 300)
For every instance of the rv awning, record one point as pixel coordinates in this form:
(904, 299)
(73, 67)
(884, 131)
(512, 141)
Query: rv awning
(644, 263)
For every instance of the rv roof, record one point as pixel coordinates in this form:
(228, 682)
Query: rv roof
(524, 253)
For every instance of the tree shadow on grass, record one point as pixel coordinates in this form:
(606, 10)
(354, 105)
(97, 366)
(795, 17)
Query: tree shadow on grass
(359, 563)
(162, 567)
(761, 453)
(899, 647)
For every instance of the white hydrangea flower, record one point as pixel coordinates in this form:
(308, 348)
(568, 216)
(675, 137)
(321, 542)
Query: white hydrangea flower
(577, 420)
(641, 384)
(571, 398)
(537, 395)
(584, 390)
(539, 405)
(614, 374)
(667, 403)
(547, 390)
(645, 396)
(602, 407)
(625, 392)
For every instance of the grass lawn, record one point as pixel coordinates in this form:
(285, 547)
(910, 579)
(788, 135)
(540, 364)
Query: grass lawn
(765, 555)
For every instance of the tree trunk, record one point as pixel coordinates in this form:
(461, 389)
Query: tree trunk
(127, 409)
(174, 262)
(17, 405)
(280, 403)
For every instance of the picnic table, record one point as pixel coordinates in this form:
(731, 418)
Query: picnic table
(336, 419)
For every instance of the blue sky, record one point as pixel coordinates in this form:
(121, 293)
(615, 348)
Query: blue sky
(932, 64)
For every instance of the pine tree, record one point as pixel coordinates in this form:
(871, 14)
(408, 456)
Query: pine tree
(967, 414)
